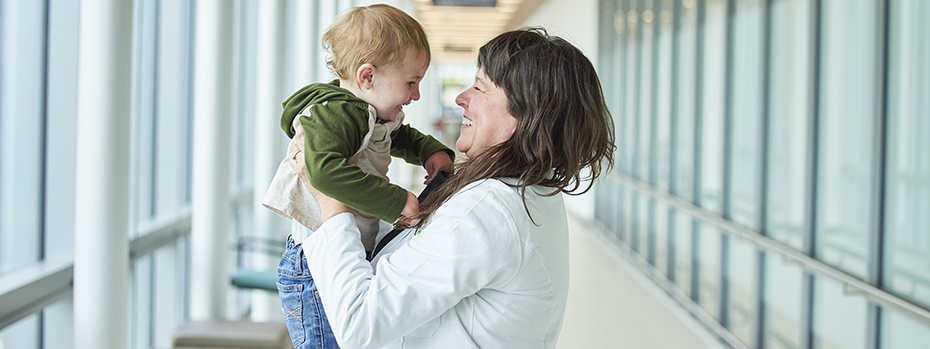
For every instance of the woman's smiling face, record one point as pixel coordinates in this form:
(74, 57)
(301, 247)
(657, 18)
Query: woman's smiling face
(488, 121)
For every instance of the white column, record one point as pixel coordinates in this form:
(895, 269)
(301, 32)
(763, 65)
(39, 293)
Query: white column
(269, 144)
(101, 243)
(211, 211)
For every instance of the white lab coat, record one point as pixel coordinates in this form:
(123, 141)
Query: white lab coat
(479, 274)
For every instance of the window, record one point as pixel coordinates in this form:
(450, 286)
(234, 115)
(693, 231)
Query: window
(845, 139)
(767, 115)
(907, 188)
(788, 125)
(22, 131)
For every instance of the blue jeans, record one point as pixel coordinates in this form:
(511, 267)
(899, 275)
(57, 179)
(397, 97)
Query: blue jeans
(303, 312)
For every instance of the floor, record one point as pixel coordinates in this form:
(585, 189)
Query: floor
(612, 305)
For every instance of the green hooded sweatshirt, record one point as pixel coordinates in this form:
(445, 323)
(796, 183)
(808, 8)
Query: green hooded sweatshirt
(335, 132)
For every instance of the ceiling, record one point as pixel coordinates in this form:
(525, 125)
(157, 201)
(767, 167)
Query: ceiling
(457, 28)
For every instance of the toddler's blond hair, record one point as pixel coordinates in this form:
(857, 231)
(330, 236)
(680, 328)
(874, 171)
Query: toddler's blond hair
(377, 34)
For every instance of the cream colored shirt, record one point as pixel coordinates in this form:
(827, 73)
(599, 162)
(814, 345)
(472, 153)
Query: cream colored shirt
(291, 199)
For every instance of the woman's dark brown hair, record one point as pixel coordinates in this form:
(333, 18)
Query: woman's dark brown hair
(563, 125)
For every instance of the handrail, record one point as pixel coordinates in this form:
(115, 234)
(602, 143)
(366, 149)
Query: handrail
(806, 262)
(159, 233)
(33, 287)
(155, 234)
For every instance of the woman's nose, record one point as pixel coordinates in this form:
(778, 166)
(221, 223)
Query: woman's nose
(461, 98)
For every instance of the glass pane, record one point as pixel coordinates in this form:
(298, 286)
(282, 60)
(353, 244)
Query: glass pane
(713, 110)
(783, 294)
(57, 324)
(709, 270)
(907, 244)
(245, 39)
(630, 51)
(637, 237)
(747, 113)
(646, 78)
(605, 49)
(649, 248)
(839, 317)
(741, 273)
(902, 332)
(627, 214)
(682, 249)
(663, 110)
(167, 296)
(645, 228)
(173, 104)
(685, 103)
(660, 231)
(144, 81)
(601, 198)
(605, 208)
(22, 129)
(141, 302)
(845, 139)
(24, 333)
(617, 221)
(616, 208)
(788, 120)
(618, 80)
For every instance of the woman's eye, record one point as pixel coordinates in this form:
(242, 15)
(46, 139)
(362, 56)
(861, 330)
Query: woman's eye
(477, 89)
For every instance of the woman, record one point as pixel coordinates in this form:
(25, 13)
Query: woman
(487, 266)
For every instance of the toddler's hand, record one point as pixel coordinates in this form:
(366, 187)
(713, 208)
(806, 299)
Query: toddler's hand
(411, 212)
(439, 161)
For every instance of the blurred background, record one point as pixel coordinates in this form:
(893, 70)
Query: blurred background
(771, 188)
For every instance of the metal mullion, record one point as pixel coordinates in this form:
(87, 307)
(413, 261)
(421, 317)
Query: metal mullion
(189, 107)
(653, 158)
(606, 46)
(762, 188)
(637, 42)
(637, 121)
(620, 75)
(807, 302)
(876, 257)
(673, 140)
(723, 298)
(156, 81)
(698, 147)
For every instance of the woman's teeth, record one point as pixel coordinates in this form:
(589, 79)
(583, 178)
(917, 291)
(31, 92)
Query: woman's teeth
(466, 122)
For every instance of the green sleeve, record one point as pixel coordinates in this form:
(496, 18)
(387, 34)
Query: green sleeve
(415, 147)
(331, 136)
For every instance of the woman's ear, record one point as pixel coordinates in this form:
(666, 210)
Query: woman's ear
(364, 76)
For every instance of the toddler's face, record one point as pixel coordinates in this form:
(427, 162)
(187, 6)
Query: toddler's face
(395, 86)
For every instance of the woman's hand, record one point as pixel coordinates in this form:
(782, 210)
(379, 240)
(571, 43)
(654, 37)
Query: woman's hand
(329, 207)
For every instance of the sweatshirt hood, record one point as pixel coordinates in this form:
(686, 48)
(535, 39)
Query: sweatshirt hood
(315, 94)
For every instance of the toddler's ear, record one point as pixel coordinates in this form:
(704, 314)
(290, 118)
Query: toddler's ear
(364, 75)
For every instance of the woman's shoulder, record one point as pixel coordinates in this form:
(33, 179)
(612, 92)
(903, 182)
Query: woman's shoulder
(504, 196)
(487, 189)
(506, 186)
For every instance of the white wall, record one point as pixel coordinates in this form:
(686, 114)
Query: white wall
(575, 21)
